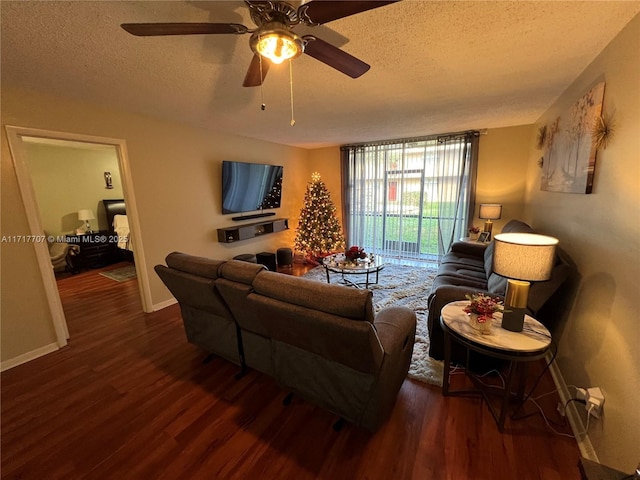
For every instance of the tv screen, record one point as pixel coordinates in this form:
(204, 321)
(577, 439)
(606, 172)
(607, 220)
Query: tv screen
(247, 187)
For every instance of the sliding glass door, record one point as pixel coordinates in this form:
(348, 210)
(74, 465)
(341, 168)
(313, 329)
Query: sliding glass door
(409, 199)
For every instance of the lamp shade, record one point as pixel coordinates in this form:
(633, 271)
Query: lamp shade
(524, 256)
(85, 215)
(490, 211)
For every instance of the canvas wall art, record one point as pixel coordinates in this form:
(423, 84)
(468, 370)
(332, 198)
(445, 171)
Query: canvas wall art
(569, 157)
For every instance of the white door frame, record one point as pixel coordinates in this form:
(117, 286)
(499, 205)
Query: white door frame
(18, 154)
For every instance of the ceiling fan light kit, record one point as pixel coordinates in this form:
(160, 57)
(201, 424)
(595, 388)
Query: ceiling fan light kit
(274, 39)
(276, 43)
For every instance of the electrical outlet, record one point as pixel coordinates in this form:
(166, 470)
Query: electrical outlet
(595, 401)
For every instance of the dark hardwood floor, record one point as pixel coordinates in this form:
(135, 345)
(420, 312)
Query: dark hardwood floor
(129, 398)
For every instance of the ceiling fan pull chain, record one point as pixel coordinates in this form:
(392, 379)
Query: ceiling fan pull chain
(293, 121)
(262, 105)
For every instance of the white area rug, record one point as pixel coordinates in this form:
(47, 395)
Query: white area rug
(401, 285)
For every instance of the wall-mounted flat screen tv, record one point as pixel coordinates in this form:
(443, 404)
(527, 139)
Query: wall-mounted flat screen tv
(247, 187)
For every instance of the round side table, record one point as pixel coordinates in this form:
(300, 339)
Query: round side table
(516, 348)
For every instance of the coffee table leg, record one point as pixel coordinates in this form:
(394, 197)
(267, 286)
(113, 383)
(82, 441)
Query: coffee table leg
(328, 280)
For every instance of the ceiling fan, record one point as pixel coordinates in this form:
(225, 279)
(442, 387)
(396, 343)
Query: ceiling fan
(274, 38)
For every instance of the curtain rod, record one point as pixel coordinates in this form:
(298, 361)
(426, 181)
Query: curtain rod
(440, 138)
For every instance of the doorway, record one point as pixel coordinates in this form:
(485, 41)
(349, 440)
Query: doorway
(18, 138)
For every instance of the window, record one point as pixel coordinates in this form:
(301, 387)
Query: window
(409, 199)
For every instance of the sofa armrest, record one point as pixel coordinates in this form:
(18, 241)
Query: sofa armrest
(474, 249)
(395, 327)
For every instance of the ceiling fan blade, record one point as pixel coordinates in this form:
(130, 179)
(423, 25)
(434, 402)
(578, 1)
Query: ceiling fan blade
(334, 57)
(253, 77)
(323, 11)
(156, 29)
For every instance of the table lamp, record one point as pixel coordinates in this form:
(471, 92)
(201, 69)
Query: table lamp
(522, 258)
(85, 215)
(488, 212)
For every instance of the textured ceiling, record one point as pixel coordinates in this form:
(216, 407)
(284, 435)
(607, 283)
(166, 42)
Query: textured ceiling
(435, 66)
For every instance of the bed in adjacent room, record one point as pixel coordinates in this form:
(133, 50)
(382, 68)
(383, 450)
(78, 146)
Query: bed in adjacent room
(118, 226)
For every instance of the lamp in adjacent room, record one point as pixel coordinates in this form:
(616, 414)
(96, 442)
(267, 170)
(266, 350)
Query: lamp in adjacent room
(522, 258)
(488, 212)
(85, 215)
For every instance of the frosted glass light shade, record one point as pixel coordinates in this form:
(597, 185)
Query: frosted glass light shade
(490, 211)
(85, 215)
(524, 256)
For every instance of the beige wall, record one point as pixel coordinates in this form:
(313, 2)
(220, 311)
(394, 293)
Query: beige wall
(326, 161)
(67, 178)
(175, 171)
(26, 323)
(502, 171)
(599, 344)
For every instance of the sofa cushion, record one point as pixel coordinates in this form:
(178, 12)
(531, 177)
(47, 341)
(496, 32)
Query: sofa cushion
(352, 303)
(194, 290)
(516, 226)
(452, 269)
(488, 260)
(497, 284)
(201, 266)
(463, 259)
(459, 281)
(239, 271)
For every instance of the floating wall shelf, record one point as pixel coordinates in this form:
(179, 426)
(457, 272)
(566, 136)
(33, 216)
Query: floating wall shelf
(252, 230)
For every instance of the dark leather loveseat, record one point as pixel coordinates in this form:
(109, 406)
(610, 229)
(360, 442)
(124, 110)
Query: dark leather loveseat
(468, 269)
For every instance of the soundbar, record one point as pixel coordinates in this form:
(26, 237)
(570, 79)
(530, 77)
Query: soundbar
(249, 217)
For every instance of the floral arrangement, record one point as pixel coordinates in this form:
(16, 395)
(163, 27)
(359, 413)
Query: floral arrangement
(474, 230)
(354, 253)
(483, 305)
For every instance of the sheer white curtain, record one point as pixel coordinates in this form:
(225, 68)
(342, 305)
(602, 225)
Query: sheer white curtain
(409, 199)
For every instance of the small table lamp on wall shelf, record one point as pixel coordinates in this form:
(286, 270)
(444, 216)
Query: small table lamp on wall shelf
(85, 215)
(488, 212)
(522, 258)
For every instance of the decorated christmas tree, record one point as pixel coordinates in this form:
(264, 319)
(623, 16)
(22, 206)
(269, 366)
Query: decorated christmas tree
(319, 231)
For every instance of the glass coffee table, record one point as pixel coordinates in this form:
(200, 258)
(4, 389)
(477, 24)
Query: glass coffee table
(337, 263)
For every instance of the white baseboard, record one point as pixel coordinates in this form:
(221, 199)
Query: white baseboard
(27, 357)
(165, 304)
(573, 416)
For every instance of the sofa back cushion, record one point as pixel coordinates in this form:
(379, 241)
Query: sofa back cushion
(235, 284)
(488, 260)
(540, 292)
(239, 271)
(497, 284)
(352, 303)
(314, 332)
(193, 291)
(512, 226)
(516, 226)
(332, 321)
(200, 266)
